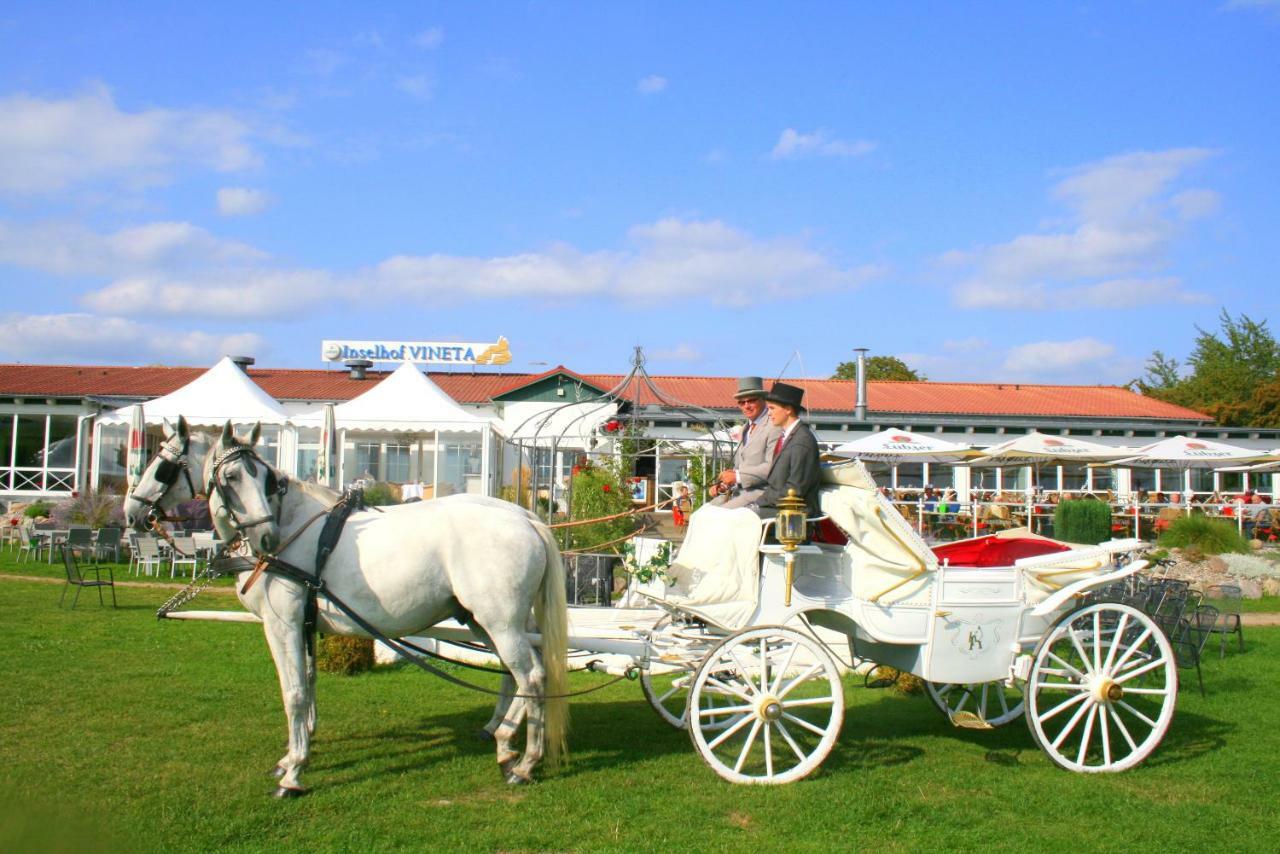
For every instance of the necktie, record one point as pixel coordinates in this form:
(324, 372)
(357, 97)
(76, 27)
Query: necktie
(778, 445)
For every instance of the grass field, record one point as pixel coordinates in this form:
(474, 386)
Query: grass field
(121, 732)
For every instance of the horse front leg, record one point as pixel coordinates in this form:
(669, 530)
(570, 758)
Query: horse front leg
(288, 650)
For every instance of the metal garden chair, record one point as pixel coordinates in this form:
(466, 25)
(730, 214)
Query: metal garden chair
(1227, 598)
(184, 553)
(76, 578)
(147, 554)
(108, 542)
(80, 540)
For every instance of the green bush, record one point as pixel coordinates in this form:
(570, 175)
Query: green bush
(1086, 521)
(597, 492)
(37, 508)
(344, 655)
(1207, 536)
(380, 494)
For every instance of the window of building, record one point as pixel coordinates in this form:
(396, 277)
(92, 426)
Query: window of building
(38, 452)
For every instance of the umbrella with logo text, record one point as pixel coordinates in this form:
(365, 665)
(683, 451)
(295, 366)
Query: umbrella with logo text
(894, 446)
(1185, 454)
(137, 447)
(327, 460)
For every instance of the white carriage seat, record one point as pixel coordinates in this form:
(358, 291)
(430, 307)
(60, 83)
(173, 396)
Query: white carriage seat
(717, 568)
(1047, 574)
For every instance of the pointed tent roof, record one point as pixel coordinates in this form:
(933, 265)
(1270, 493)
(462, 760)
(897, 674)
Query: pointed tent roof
(1181, 452)
(407, 401)
(220, 393)
(894, 445)
(1037, 447)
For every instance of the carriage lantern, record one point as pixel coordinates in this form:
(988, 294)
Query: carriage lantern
(789, 527)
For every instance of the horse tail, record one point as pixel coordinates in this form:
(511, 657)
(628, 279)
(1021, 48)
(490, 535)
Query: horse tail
(552, 616)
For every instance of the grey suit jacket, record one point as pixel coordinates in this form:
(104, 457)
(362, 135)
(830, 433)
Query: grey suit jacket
(796, 467)
(754, 457)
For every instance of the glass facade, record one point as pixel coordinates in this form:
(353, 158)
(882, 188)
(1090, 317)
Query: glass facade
(38, 452)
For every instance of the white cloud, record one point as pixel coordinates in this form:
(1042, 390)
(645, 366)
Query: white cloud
(417, 86)
(682, 352)
(72, 250)
(1056, 357)
(89, 338)
(792, 144)
(429, 39)
(1122, 219)
(243, 201)
(672, 257)
(651, 85)
(49, 145)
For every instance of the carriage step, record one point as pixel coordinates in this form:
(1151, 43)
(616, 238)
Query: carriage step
(968, 720)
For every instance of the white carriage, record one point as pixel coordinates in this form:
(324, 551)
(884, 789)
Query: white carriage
(750, 661)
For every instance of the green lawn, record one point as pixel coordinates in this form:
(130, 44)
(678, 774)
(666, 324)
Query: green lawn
(119, 731)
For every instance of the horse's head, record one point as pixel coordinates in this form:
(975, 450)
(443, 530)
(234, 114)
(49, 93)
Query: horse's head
(241, 489)
(165, 483)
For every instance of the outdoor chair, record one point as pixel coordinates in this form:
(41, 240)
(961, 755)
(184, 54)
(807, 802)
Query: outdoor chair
(108, 543)
(29, 543)
(206, 543)
(1190, 635)
(80, 540)
(147, 554)
(75, 578)
(1227, 598)
(183, 553)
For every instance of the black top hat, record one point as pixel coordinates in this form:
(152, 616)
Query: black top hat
(749, 387)
(787, 395)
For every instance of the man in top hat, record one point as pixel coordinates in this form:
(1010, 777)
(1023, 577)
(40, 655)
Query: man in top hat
(744, 483)
(795, 453)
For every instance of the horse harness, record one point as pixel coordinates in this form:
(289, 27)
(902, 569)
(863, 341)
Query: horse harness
(166, 474)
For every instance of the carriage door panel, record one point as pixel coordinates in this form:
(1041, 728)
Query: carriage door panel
(975, 625)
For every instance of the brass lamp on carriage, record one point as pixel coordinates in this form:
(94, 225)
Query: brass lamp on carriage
(790, 526)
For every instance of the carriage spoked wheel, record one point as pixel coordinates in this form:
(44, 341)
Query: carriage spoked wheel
(1102, 688)
(766, 706)
(668, 693)
(997, 703)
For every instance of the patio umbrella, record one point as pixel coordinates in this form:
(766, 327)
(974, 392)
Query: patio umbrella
(1181, 452)
(1036, 448)
(895, 446)
(136, 458)
(327, 461)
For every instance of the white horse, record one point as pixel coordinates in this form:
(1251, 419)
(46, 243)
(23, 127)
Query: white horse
(487, 562)
(170, 478)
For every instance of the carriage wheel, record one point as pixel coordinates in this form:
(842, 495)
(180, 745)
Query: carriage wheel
(997, 703)
(766, 706)
(1102, 688)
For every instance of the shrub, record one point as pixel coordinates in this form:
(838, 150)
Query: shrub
(380, 494)
(344, 655)
(94, 509)
(597, 492)
(36, 509)
(1208, 536)
(1085, 521)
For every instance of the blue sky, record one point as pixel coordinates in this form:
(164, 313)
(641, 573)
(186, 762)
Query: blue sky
(997, 191)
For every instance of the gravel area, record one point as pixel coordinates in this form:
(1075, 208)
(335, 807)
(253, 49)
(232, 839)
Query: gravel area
(1257, 574)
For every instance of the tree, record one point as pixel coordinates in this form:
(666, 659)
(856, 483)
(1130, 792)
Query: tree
(879, 368)
(1232, 377)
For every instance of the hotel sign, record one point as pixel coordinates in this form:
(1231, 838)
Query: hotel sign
(422, 352)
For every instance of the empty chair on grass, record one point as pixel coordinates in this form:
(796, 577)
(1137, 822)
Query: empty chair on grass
(183, 553)
(1227, 598)
(77, 579)
(149, 559)
(107, 543)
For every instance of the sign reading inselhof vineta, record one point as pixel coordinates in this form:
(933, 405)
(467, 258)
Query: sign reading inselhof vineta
(421, 352)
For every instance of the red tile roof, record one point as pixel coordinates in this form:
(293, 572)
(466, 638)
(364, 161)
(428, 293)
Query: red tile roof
(884, 398)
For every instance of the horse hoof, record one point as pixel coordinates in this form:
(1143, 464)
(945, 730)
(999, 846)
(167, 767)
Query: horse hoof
(287, 792)
(484, 735)
(276, 772)
(515, 779)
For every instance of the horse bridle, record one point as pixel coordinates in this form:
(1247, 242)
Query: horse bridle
(166, 474)
(276, 486)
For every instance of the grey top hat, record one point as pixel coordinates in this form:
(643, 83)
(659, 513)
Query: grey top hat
(787, 395)
(749, 387)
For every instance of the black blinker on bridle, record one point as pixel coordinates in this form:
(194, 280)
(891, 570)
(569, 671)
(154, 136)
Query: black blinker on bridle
(166, 474)
(275, 486)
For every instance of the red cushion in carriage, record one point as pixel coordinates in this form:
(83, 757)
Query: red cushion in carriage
(995, 551)
(826, 531)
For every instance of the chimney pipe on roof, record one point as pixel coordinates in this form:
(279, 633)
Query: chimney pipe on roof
(358, 367)
(860, 405)
(243, 362)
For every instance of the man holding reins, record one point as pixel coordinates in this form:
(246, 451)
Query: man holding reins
(744, 483)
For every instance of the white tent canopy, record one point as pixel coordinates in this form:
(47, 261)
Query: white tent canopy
(405, 401)
(223, 392)
(1039, 448)
(1181, 452)
(893, 445)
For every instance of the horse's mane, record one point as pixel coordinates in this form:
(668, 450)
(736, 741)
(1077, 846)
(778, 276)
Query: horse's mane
(314, 490)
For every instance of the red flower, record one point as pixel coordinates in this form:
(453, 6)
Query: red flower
(612, 426)
(606, 488)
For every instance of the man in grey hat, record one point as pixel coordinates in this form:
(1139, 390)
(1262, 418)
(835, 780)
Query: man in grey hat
(795, 454)
(743, 484)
